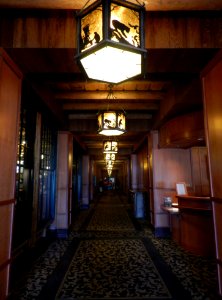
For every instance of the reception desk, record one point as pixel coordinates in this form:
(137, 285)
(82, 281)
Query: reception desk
(191, 223)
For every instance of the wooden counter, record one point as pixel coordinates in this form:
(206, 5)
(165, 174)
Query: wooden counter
(191, 224)
(194, 203)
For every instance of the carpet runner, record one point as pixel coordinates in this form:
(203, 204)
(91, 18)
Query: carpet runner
(108, 256)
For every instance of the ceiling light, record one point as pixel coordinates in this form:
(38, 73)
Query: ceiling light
(110, 147)
(110, 44)
(110, 156)
(111, 123)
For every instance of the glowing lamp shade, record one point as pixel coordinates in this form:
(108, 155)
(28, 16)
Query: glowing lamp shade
(110, 156)
(123, 65)
(109, 172)
(111, 123)
(109, 163)
(110, 44)
(110, 147)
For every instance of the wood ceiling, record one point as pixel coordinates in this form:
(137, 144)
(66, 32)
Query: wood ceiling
(151, 5)
(174, 62)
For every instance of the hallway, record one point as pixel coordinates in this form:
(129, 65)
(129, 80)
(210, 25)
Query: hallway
(111, 255)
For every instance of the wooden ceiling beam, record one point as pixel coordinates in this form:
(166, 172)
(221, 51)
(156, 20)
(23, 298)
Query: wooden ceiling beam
(103, 106)
(57, 29)
(92, 116)
(152, 5)
(118, 95)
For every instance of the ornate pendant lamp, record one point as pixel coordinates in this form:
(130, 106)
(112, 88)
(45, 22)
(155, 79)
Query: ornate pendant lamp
(109, 172)
(110, 44)
(110, 156)
(110, 168)
(111, 123)
(109, 163)
(110, 147)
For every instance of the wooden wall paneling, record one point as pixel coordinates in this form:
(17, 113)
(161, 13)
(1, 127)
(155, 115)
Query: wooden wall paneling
(183, 131)
(175, 228)
(197, 234)
(196, 171)
(175, 30)
(6, 219)
(58, 29)
(10, 94)
(10, 90)
(200, 171)
(125, 169)
(212, 90)
(204, 171)
(213, 115)
(55, 29)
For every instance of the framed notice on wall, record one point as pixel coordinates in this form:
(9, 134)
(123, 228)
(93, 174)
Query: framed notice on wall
(181, 188)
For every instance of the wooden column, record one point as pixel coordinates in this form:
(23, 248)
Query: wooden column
(64, 183)
(10, 92)
(85, 181)
(212, 91)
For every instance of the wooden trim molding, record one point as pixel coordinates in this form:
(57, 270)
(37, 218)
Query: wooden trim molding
(219, 262)
(5, 264)
(216, 199)
(7, 202)
(7, 59)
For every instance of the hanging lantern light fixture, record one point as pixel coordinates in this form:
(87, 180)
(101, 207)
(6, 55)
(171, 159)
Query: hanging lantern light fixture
(109, 172)
(110, 156)
(110, 44)
(110, 122)
(110, 146)
(110, 168)
(109, 163)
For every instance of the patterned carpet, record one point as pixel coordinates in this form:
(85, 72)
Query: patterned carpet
(110, 255)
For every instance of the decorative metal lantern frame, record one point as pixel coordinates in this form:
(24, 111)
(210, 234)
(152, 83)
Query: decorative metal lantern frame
(111, 123)
(110, 147)
(110, 156)
(109, 172)
(110, 44)
(109, 163)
